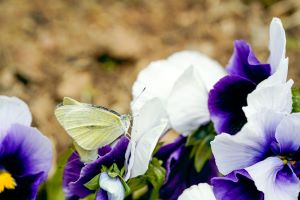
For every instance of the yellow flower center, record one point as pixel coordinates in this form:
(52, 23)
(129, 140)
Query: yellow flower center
(6, 181)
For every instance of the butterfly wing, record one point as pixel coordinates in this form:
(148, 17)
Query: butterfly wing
(89, 126)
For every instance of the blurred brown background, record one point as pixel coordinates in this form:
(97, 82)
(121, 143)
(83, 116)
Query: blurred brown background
(92, 50)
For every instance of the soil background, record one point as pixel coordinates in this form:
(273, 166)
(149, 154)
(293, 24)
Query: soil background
(93, 50)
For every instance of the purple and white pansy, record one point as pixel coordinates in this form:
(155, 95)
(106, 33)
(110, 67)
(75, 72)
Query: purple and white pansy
(267, 147)
(250, 85)
(25, 154)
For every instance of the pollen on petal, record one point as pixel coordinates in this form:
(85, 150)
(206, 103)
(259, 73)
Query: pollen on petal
(6, 181)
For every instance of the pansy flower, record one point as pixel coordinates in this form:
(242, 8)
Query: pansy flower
(182, 83)
(267, 147)
(181, 173)
(246, 88)
(25, 154)
(77, 174)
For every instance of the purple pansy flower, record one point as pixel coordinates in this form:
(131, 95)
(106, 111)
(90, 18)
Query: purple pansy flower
(268, 148)
(236, 185)
(181, 173)
(246, 78)
(76, 173)
(25, 154)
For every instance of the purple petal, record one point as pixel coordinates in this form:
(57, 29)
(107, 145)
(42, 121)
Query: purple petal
(76, 174)
(176, 160)
(25, 151)
(244, 63)
(72, 188)
(101, 195)
(275, 180)
(116, 155)
(236, 185)
(225, 103)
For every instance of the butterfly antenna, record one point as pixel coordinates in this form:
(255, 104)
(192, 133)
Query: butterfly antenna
(137, 98)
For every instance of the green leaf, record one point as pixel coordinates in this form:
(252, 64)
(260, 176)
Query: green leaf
(296, 100)
(199, 141)
(113, 171)
(93, 184)
(203, 153)
(154, 178)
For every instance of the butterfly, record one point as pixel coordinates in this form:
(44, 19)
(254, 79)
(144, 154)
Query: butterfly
(90, 126)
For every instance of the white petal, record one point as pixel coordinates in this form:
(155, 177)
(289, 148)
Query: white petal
(187, 103)
(209, 70)
(144, 149)
(157, 80)
(287, 133)
(159, 77)
(148, 117)
(233, 152)
(129, 159)
(201, 191)
(149, 124)
(266, 179)
(13, 110)
(277, 98)
(277, 43)
(279, 77)
(113, 186)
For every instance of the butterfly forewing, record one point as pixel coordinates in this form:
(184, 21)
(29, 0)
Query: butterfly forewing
(90, 127)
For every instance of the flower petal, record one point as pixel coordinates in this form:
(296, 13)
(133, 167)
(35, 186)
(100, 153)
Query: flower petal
(277, 98)
(278, 77)
(154, 81)
(113, 186)
(208, 70)
(148, 126)
(13, 110)
(287, 133)
(225, 103)
(277, 43)
(236, 185)
(244, 63)
(201, 191)
(101, 195)
(72, 170)
(187, 103)
(25, 151)
(107, 158)
(275, 180)
(247, 147)
(156, 84)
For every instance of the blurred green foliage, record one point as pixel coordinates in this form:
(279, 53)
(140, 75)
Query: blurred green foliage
(52, 189)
